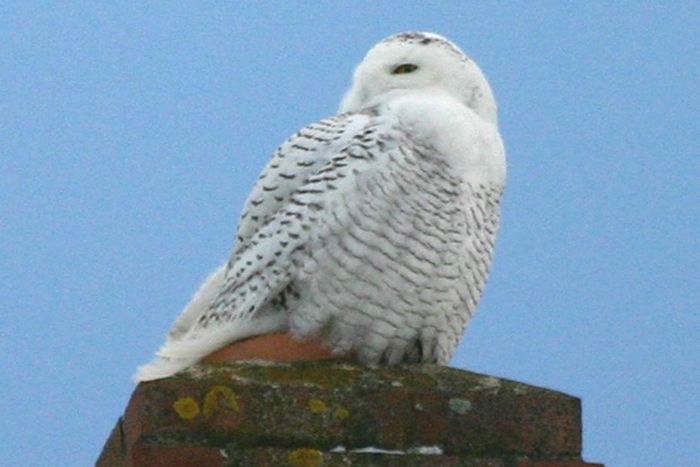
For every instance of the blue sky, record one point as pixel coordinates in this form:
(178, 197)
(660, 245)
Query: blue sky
(131, 134)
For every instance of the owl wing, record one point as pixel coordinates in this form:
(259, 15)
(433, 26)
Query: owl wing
(305, 174)
(292, 164)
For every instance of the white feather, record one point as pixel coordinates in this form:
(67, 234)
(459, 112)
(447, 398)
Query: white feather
(373, 229)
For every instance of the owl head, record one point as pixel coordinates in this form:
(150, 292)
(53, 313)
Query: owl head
(419, 62)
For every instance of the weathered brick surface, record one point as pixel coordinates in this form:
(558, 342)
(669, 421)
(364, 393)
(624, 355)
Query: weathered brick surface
(114, 451)
(248, 414)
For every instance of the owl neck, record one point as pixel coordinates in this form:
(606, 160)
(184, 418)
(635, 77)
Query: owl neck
(469, 143)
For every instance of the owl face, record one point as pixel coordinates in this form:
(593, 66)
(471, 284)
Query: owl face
(418, 62)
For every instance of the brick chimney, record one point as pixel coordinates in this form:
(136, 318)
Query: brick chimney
(328, 413)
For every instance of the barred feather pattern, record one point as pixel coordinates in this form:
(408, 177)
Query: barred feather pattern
(374, 229)
(397, 271)
(382, 249)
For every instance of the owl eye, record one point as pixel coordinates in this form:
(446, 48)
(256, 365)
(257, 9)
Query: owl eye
(404, 68)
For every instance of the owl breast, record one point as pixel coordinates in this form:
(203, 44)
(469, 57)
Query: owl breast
(395, 269)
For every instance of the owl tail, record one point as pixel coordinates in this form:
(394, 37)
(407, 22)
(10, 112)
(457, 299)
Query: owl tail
(188, 342)
(180, 353)
(162, 367)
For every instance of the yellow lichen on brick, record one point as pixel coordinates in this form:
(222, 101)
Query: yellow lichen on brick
(305, 457)
(220, 398)
(317, 406)
(186, 408)
(341, 413)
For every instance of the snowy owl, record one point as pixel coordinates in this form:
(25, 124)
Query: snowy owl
(372, 230)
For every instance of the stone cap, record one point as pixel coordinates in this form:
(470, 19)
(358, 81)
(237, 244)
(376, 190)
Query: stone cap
(336, 413)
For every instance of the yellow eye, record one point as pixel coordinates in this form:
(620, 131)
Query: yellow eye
(404, 68)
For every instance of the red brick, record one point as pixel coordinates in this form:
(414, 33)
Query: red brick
(254, 409)
(146, 455)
